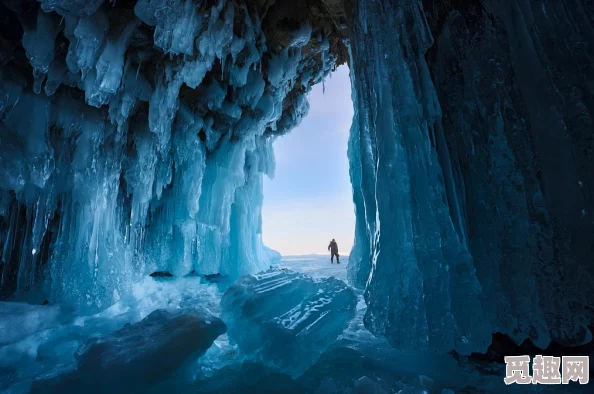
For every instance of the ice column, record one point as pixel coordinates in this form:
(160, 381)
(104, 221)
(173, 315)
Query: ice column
(422, 288)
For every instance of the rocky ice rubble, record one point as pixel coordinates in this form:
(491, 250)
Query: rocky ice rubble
(48, 336)
(138, 355)
(286, 319)
(43, 357)
(355, 363)
(134, 138)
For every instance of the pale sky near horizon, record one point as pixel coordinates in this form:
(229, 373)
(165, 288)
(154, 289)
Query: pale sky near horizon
(310, 201)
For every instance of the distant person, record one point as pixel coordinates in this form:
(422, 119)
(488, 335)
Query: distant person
(333, 248)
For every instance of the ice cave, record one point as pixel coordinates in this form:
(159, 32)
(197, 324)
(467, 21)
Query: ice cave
(134, 138)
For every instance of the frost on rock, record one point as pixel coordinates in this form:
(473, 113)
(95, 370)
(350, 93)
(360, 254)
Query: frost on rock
(285, 319)
(138, 355)
(134, 137)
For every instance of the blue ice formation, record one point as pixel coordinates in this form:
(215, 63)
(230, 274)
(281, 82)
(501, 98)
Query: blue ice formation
(134, 139)
(28, 318)
(272, 255)
(286, 319)
(138, 355)
(471, 162)
(421, 288)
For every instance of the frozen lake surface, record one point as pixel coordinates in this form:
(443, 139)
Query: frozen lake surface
(317, 266)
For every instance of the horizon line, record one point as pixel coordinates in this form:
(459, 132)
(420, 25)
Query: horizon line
(311, 254)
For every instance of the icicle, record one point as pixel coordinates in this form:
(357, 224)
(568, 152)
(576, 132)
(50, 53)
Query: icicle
(112, 192)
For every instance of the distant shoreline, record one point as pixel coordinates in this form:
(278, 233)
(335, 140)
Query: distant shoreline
(311, 255)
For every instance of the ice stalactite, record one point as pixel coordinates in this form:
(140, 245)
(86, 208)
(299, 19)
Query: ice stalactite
(471, 165)
(135, 138)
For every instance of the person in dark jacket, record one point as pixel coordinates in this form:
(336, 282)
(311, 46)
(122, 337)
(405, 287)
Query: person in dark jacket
(333, 248)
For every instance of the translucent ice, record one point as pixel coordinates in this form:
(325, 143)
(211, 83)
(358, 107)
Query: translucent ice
(137, 355)
(286, 319)
(421, 285)
(28, 318)
(136, 138)
(272, 255)
(39, 45)
(176, 23)
(460, 231)
(48, 335)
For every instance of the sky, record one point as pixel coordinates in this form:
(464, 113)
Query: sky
(309, 201)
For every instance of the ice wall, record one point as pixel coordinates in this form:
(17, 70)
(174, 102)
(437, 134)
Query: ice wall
(526, 128)
(422, 289)
(134, 137)
(471, 161)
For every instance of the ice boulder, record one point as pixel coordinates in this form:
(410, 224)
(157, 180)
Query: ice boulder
(286, 319)
(138, 355)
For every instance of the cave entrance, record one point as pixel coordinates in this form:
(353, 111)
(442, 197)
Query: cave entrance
(309, 201)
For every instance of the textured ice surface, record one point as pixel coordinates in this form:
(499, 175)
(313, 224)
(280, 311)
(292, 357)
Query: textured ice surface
(422, 289)
(355, 354)
(134, 138)
(315, 265)
(286, 319)
(20, 320)
(521, 148)
(272, 255)
(137, 355)
(42, 340)
(471, 162)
